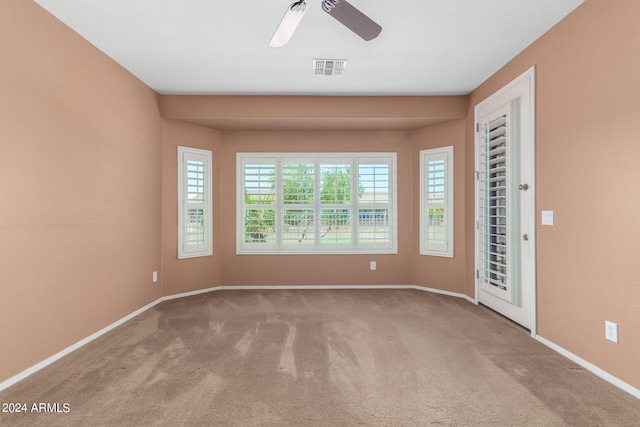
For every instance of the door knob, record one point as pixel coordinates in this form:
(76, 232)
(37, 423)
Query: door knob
(524, 187)
(525, 237)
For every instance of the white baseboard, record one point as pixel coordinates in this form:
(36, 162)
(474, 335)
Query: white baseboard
(190, 294)
(333, 287)
(294, 287)
(314, 287)
(35, 368)
(439, 291)
(591, 367)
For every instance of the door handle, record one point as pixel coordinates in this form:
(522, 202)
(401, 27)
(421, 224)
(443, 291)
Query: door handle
(525, 237)
(523, 187)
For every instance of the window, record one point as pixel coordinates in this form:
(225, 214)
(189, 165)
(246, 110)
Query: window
(436, 202)
(194, 203)
(316, 203)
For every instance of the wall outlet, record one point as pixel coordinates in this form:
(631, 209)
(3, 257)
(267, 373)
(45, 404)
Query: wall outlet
(547, 217)
(611, 331)
(372, 265)
(155, 276)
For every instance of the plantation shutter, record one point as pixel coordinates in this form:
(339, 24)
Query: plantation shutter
(437, 202)
(194, 215)
(298, 184)
(316, 203)
(374, 226)
(498, 177)
(258, 203)
(336, 221)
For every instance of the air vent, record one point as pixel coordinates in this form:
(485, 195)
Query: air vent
(329, 67)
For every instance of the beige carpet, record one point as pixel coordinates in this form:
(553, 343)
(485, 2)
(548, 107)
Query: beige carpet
(319, 358)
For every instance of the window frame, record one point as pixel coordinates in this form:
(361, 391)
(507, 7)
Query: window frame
(205, 249)
(354, 245)
(427, 156)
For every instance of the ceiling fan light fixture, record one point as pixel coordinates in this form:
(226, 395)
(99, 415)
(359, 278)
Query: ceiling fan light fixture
(352, 18)
(288, 24)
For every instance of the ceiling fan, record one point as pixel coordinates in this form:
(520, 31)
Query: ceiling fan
(341, 10)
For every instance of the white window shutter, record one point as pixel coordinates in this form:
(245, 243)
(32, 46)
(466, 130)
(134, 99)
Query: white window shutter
(293, 203)
(256, 203)
(375, 202)
(337, 183)
(497, 260)
(436, 207)
(195, 237)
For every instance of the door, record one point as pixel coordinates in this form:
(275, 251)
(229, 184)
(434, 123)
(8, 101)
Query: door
(505, 202)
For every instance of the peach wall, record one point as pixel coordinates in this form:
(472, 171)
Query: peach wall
(588, 151)
(441, 273)
(185, 275)
(79, 188)
(264, 270)
(314, 112)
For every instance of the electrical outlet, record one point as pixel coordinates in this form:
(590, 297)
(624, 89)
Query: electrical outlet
(372, 265)
(155, 276)
(547, 217)
(611, 331)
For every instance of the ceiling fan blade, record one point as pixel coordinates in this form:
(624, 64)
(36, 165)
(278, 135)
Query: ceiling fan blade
(352, 18)
(288, 24)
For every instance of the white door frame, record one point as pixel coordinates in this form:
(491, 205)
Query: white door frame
(522, 87)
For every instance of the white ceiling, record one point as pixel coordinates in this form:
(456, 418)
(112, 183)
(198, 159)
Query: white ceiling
(427, 47)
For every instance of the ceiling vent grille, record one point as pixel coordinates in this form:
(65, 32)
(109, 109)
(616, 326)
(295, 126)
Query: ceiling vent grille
(329, 67)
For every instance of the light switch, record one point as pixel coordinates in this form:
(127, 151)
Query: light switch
(547, 217)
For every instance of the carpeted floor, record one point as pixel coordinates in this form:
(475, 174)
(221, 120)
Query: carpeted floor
(319, 358)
